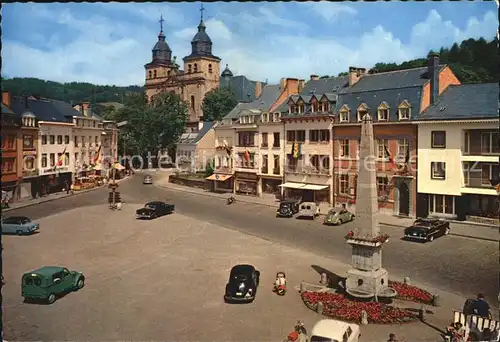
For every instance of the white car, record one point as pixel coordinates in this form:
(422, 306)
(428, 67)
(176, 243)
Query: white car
(332, 330)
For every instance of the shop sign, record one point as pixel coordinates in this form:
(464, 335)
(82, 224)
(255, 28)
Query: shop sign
(246, 176)
(29, 153)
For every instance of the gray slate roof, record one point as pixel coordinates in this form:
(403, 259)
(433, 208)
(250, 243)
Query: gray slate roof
(44, 109)
(467, 101)
(6, 110)
(194, 137)
(242, 87)
(269, 95)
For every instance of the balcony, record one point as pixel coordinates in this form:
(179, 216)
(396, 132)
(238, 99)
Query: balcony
(30, 173)
(307, 170)
(474, 181)
(224, 169)
(246, 167)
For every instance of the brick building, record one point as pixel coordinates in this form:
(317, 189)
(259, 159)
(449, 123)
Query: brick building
(394, 100)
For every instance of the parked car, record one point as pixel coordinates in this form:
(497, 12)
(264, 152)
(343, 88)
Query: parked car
(288, 208)
(20, 225)
(148, 180)
(242, 284)
(48, 282)
(427, 229)
(308, 209)
(334, 330)
(153, 210)
(337, 217)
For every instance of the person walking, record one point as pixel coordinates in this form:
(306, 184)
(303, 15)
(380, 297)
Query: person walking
(66, 186)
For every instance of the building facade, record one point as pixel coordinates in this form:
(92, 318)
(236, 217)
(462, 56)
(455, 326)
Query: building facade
(29, 134)
(109, 144)
(195, 150)
(11, 150)
(394, 100)
(458, 154)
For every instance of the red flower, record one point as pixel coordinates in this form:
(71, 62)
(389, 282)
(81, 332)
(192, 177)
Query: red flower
(411, 293)
(337, 306)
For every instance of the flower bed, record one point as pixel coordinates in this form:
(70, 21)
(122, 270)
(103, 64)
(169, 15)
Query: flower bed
(380, 238)
(339, 307)
(411, 293)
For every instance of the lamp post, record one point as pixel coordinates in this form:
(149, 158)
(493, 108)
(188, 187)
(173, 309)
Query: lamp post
(113, 185)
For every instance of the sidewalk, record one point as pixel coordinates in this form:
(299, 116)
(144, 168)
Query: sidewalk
(458, 228)
(28, 202)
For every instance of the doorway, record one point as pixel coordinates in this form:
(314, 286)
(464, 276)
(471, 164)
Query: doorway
(404, 199)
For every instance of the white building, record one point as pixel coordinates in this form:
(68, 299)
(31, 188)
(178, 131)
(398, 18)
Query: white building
(87, 134)
(196, 149)
(458, 153)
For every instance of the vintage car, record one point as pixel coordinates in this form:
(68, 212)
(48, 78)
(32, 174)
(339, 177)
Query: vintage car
(242, 284)
(20, 225)
(338, 216)
(329, 330)
(288, 208)
(48, 282)
(147, 180)
(308, 209)
(426, 229)
(153, 210)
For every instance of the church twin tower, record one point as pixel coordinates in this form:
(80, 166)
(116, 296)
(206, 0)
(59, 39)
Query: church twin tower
(201, 72)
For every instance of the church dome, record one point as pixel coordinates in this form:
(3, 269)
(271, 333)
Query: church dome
(161, 50)
(201, 45)
(28, 114)
(227, 72)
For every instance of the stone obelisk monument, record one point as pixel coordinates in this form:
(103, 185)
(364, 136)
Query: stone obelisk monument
(367, 278)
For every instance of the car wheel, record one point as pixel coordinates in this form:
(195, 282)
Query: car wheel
(447, 231)
(51, 298)
(80, 284)
(19, 232)
(431, 238)
(340, 222)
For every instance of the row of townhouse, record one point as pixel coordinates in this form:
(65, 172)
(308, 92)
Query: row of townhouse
(436, 141)
(47, 144)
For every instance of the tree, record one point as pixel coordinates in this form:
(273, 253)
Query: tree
(154, 126)
(342, 74)
(454, 54)
(218, 103)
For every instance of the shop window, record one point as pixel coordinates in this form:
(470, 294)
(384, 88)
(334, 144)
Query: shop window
(438, 170)
(438, 139)
(441, 204)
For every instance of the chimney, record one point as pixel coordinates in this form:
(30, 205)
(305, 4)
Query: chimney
(85, 108)
(6, 98)
(433, 74)
(302, 84)
(314, 77)
(283, 83)
(292, 86)
(355, 74)
(258, 89)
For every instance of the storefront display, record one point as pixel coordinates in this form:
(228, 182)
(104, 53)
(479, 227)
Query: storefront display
(246, 183)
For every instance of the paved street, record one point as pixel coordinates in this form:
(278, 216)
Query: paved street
(451, 264)
(162, 279)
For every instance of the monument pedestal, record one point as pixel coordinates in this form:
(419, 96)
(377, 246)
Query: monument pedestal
(367, 283)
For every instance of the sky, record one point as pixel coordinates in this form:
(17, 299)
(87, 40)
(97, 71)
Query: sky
(109, 43)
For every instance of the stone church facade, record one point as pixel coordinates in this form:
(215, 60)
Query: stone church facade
(201, 72)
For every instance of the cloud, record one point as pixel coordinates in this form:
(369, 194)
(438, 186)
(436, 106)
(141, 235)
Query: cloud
(264, 42)
(331, 11)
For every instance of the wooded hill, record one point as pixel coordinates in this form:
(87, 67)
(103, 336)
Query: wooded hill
(473, 61)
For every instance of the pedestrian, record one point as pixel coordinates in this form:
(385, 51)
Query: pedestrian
(7, 199)
(66, 186)
(480, 307)
(392, 338)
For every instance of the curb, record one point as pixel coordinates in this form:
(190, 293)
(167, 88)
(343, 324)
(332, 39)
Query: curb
(209, 194)
(64, 196)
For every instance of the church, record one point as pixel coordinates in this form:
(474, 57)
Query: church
(201, 74)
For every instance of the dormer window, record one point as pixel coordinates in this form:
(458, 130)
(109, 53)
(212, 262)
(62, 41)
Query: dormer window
(210, 68)
(195, 67)
(404, 111)
(265, 117)
(315, 107)
(362, 111)
(276, 117)
(383, 112)
(344, 116)
(301, 108)
(292, 108)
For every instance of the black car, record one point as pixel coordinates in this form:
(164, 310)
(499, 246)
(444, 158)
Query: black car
(154, 209)
(242, 284)
(288, 208)
(427, 229)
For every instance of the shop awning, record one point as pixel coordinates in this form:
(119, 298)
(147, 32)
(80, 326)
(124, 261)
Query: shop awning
(118, 166)
(220, 178)
(314, 187)
(293, 185)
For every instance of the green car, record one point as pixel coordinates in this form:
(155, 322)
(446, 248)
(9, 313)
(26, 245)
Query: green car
(337, 217)
(48, 282)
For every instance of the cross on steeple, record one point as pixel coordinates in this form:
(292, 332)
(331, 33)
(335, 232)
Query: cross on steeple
(161, 23)
(201, 11)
